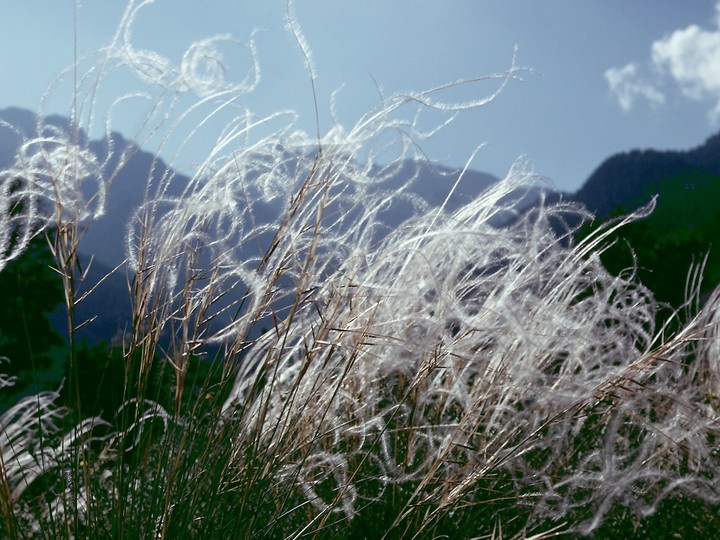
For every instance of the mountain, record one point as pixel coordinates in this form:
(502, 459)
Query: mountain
(684, 227)
(686, 181)
(630, 179)
(105, 238)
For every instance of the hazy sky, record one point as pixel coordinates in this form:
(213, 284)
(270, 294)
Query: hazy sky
(605, 75)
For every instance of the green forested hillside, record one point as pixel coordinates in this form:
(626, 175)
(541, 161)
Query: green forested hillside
(680, 232)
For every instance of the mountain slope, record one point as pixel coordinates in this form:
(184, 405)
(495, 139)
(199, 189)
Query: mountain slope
(629, 180)
(105, 237)
(683, 229)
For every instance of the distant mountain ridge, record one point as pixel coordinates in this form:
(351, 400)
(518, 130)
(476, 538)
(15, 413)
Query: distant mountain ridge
(105, 238)
(628, 180)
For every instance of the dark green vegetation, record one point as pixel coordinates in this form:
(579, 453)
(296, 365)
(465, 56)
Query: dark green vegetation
(681, 232)
(29, 291)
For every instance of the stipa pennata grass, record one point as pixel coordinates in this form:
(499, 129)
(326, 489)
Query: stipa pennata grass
(442, 360)
(465, 369)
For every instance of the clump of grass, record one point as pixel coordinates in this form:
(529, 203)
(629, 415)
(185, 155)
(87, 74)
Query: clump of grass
(466, 372)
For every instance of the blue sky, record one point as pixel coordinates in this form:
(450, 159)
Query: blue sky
(604, 75)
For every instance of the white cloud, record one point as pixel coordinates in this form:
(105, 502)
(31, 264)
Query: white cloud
(627, 86)
(689, 58)
(692, 58)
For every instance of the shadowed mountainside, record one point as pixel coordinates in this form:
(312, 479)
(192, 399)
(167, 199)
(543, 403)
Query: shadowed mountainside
(681, 229)
(105, 239)
(629, 180)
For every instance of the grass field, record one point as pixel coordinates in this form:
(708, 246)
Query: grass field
(448, 377)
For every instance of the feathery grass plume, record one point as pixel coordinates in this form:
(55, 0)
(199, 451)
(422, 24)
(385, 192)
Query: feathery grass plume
(447, 342)
(243, 237)
(6, 381)
(467, 371)
(35, 445)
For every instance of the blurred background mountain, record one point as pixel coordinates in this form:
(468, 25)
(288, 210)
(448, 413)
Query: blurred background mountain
(682, 230)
